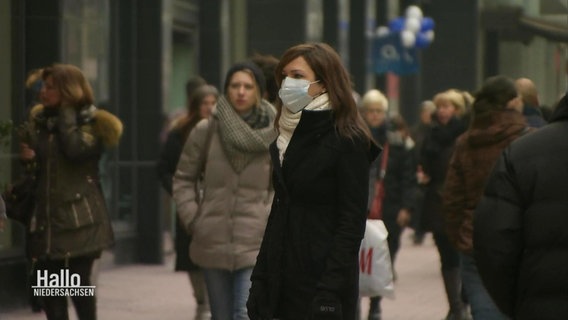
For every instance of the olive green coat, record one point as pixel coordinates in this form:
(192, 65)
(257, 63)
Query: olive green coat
(70, 217)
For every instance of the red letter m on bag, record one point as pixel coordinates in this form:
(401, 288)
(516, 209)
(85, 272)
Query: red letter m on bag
(366, 260)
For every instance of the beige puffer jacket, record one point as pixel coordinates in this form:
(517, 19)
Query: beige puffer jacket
(228, 228)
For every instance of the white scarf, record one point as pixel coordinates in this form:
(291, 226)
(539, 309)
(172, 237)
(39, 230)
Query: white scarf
(289, 121)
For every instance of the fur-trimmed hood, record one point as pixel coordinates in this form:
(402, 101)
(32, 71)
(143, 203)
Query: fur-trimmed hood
(106, 126)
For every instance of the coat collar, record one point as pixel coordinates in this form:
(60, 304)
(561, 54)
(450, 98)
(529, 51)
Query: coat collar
(312, 126)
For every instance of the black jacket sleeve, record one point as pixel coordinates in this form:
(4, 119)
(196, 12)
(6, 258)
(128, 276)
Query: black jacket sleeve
(169, 157)
(497, 238)
(408, 179)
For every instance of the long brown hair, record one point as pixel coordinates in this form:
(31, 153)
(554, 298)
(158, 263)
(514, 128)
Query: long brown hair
(193, 115)
(326, 64)
(74, 88)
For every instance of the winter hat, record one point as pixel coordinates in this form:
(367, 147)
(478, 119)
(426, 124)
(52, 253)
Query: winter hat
(250, 66)
(495, 93)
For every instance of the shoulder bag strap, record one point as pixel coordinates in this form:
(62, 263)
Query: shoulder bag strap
(205, 152)
(384, 161)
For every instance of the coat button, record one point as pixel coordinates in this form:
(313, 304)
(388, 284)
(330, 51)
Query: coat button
(78, 195)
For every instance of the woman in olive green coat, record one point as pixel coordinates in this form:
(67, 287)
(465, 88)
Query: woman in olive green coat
(63, 140)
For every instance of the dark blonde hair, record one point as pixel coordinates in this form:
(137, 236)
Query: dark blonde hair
(461, 100)
(33, 77)
(329, 70)
(74, 88)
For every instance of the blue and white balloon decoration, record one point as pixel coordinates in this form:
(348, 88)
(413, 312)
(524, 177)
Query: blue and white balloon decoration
(415, 30)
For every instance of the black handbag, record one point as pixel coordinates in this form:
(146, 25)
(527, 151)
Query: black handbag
(20, 199)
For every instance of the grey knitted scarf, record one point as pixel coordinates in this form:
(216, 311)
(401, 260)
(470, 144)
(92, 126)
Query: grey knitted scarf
(243, 141)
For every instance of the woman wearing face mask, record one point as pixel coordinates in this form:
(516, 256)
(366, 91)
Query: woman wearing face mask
(227, 221)
(307, 267)
(447, 124)
(199, 107)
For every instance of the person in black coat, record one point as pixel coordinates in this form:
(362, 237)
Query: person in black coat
(520, 230)
(400, 182)
(448, 122)
(200, 104)
(418, 133)
(398, 174)
(307, 267)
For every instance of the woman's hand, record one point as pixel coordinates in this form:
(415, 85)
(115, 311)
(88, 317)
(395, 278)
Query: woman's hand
(422, 177)
(403, 217)
(26, 153)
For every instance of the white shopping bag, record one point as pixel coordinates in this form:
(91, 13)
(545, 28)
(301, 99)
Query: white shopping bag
(375, 268)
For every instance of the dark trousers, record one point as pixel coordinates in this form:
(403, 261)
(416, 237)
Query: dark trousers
(56, 307)
(449, 255)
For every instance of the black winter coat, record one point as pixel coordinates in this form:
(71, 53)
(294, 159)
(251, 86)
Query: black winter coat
(521, 225)
(400, 179)
(169, 157)
(316, 224)
(435, 157)
(400, 176)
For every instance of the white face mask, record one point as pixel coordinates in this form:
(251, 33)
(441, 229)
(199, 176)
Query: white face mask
(294, 94)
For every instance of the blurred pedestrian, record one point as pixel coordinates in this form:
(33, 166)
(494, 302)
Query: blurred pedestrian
(307, 267)
(530, 107)
(496, 122)
(171, 119)
(199, 107)
(65, 136)
(420, 129)
(230, 151)
(418, 133)
(397, 172)
(267, 63)
(448, 123)
(520, 234)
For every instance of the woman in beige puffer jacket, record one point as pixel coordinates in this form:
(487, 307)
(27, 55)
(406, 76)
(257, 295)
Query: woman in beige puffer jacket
(228, 226)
